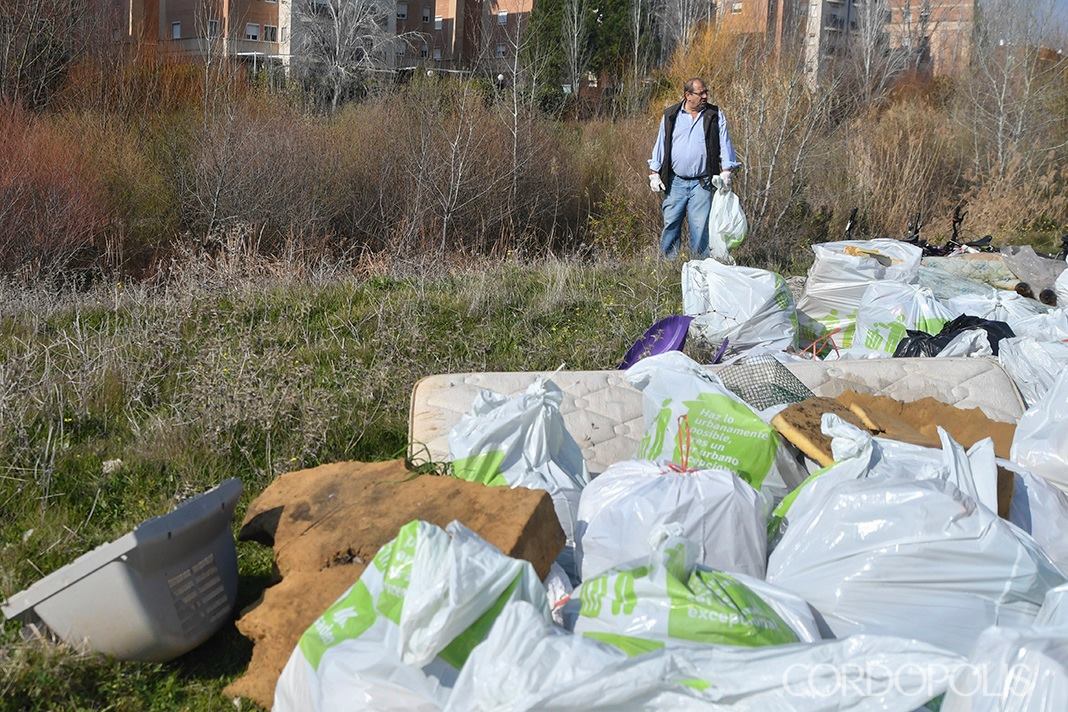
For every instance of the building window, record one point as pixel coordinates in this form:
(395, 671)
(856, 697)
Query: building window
(426, 13)
(252, 31)
(424, 51)
(437, 54)
(213, 28)
(502, 18)
(402, 11)
(282, 35)
(270, 33)
(736, 7)
(176, 30)
(500, 51)
(437, 23)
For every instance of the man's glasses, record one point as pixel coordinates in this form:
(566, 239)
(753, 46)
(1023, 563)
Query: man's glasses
(699, 93)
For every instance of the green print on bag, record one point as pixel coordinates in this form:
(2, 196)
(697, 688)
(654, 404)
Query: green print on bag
(484, 468)
(847, 322)
(627, 644)
(884, 336)
(396, 568)
(457, 652)
(356, 611)
(621, 585)
(932, 326)
(348, 618)
(712, 607)
(652, 444)
(728, 435)
(704, 606)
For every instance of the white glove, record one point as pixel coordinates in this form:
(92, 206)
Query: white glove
(655, 184)
(726, 177)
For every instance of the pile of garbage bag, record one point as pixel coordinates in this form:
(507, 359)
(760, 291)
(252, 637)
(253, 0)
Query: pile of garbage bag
(792, 552)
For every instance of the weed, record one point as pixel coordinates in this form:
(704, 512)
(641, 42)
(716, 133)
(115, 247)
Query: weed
(243, 368)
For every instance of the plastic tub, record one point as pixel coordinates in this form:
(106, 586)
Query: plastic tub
(150, 595)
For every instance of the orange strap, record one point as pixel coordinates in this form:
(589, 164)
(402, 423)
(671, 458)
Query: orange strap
(684, 443)
(822, 341)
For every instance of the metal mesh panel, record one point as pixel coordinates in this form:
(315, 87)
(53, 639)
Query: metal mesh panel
(762, 382)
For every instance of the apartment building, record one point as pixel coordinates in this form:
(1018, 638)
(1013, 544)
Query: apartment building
(258, 32)
(420, 23)
(126, 21)
(936, 36)
(939, 32)
(777, 22)
(826, 28)
(482, 32)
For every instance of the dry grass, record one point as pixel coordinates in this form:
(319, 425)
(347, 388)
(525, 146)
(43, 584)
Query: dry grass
(248, 367)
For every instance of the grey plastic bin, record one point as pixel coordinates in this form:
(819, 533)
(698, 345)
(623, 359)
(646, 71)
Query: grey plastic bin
(152, 594)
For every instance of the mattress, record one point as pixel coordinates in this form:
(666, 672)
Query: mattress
(604, 413)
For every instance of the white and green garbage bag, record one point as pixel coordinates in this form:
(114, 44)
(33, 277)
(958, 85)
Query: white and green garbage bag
(727, 224)
(523, 442)
(857, 455)
(748, 307)
(900, 540)
(527, 664)
(397, 639)
(693, 420)
(669, 596)
(840, 274)
(888, 310)
(724, 518)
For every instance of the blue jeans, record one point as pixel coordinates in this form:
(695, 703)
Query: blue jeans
(686, 198)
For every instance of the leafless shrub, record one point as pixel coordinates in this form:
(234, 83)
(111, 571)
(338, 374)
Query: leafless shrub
(51, 210)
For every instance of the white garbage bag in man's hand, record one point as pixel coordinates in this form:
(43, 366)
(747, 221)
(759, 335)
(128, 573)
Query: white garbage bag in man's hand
(727, 225)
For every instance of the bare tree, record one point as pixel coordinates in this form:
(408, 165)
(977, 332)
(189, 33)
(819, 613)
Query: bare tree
(575, 31)
(779, 119)
(639, 26)
(873, 62)
(679, 21)
(39, 40)
(634, 94)
(1007, 95)
(339, 43)
(518, 111)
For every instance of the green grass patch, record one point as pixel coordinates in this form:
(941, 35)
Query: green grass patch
(187, 389)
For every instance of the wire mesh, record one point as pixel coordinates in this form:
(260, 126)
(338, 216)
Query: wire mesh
(762, 382)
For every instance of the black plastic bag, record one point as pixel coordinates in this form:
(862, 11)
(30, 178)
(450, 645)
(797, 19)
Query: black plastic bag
(919, 343)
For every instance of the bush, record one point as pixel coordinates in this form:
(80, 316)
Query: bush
(52, 202)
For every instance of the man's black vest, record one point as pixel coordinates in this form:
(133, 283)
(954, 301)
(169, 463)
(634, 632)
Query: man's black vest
(711, 127)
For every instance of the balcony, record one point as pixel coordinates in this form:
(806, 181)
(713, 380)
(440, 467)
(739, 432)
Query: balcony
(205, 45)
(248, 47)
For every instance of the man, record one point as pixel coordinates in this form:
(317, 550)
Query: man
(691, 147)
